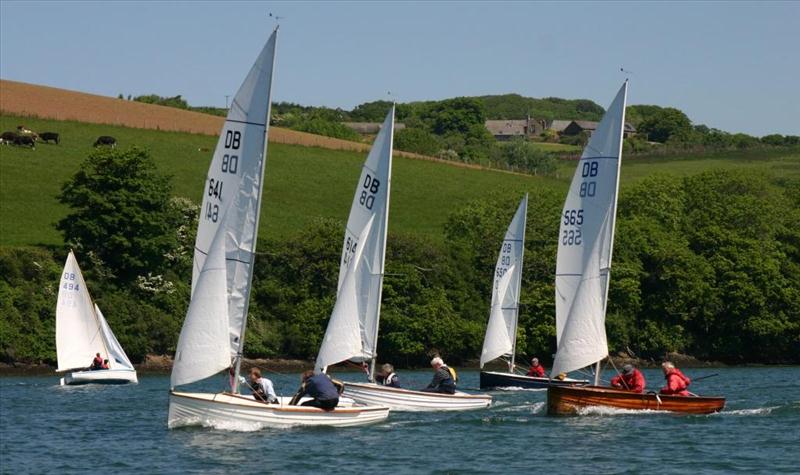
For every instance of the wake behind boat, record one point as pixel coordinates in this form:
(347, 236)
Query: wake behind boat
(82, 332)
(583, 272)
(214, 328)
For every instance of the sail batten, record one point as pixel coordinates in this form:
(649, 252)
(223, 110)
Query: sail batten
(501, 331)
(585, 245)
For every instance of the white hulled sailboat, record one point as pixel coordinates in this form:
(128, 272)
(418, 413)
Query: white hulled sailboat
(213, 331)
(352, 332)
(82, 332)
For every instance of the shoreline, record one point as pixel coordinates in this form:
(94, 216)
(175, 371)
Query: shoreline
(162, 364)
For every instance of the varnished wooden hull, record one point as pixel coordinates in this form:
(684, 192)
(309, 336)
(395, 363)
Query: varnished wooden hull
(570, 400)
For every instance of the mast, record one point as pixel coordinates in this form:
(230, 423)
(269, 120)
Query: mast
(383, 252)
(613, 217)
(519, 288)
(240, 350)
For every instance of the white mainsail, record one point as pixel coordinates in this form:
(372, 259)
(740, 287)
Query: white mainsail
(370, 204)
(585, 245)
(342, 338)
(117, 359)
(201, 350)
(78, 334)
(233, 189)
(501, 330)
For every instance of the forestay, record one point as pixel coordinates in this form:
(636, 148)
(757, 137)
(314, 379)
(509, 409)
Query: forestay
(201, 350)
(78, 335)
(342, 338)
(501, 330)
(117, 359)
(233, 188)
(585, 245)
(370, 203)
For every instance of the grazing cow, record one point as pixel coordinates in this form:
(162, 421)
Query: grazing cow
(8, 138)
(25, 141)
(48, 136)
(105, 140)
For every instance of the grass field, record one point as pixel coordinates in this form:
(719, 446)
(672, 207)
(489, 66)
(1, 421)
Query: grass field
(301, 183)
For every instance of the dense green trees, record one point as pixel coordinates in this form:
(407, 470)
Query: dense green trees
(121, 212)
(707, 264)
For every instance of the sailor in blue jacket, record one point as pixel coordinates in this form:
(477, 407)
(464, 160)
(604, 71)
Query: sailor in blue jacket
(324, 391)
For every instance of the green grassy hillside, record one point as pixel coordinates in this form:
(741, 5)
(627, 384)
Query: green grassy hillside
(300, 182)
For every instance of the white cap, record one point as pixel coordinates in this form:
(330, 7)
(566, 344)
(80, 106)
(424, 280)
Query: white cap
(436, 361)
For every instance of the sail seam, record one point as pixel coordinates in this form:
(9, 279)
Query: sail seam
(245, 122)
(599, 157)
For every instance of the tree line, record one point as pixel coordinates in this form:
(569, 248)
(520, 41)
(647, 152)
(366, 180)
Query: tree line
(707, 265)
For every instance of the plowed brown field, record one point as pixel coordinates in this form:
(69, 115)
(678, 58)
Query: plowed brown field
(19, 98)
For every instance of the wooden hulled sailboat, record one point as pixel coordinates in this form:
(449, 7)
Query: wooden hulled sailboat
(586, 241)
(501, 331)
(213, 331)
(352, 332)
(82, 332)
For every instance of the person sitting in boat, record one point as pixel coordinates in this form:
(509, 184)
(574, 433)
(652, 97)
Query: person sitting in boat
(536, 370)
(444, 378)
(97, 362)
(105, 365)
(677, 382)
(387, 376)
(262, 387)
(631, 379)
(324, 391)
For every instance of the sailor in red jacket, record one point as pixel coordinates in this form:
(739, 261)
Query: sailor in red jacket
(631, 379)
(536, 370)
(677, 382)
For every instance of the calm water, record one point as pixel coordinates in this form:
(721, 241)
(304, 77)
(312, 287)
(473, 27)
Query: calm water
(122, 429)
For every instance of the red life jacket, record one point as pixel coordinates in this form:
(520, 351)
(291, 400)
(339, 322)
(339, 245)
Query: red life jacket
(677, 383)
(536, 371)
(633, 382)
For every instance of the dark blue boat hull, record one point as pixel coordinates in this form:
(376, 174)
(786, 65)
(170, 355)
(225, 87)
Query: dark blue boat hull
(492, 380)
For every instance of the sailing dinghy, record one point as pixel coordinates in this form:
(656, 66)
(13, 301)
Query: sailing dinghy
(352, 332)
(501, 331)
(585, 245)
(82, 332)
(213, 331)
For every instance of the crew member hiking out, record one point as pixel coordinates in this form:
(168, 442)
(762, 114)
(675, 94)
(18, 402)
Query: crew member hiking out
(677, 382)
(444, 379)
(631, 380)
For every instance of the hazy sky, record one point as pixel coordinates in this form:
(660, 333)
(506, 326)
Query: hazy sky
(734, 65)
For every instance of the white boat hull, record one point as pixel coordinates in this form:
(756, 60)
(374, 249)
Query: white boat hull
(100, 376)
(408, 400)
(226, 410)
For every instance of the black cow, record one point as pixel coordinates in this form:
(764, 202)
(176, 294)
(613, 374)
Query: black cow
(8, 137)
(105, 140)
(48, 136)
(25, 141)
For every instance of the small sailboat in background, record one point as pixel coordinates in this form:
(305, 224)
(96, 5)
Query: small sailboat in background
(585, 245)
(82, 332)
(213, 331)
(352, 332)
(501, 331)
